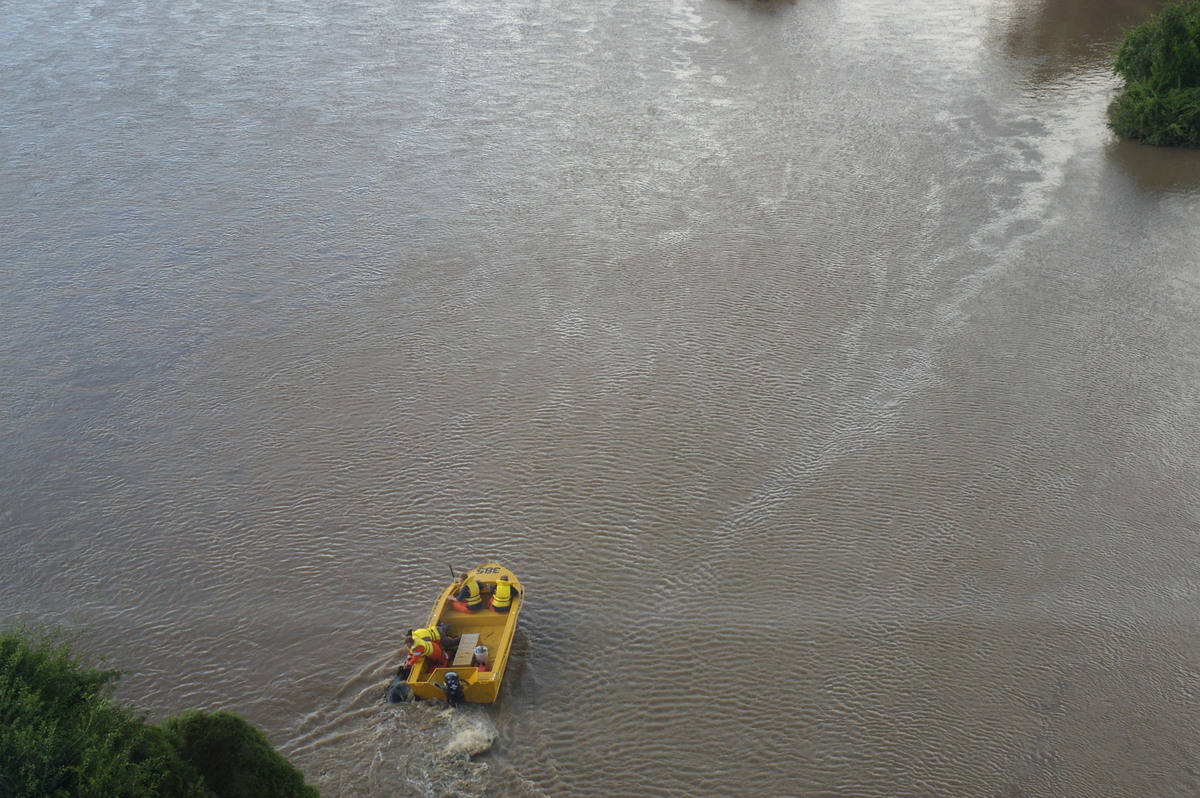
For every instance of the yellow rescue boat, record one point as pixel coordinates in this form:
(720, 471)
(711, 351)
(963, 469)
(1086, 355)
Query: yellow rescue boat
(485, 640)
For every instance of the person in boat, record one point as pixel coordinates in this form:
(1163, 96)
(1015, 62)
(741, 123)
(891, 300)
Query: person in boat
(438, 633)
(502, 599)
(422, 648)
(470, 596)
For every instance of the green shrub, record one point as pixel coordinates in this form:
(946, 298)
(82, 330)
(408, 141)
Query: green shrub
(236, 759)
(1160, 63)
(63, 736)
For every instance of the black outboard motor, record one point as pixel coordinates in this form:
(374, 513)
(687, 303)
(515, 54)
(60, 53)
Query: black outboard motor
(397, 691)
(453, 689)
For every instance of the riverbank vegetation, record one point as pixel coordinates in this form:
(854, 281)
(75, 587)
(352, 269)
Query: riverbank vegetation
(63, 734)
(1160, 63)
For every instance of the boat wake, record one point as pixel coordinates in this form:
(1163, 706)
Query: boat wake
(362, 745)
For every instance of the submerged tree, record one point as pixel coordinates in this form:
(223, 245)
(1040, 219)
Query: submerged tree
(1160, 63)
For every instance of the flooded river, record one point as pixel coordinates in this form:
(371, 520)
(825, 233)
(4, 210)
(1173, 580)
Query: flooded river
(826, 370)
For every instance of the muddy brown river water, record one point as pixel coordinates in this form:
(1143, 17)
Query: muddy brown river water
(827, 371)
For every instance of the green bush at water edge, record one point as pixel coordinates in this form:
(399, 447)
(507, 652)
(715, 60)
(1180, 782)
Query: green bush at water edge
(62, 735)
(235, 758)
(1160, 63)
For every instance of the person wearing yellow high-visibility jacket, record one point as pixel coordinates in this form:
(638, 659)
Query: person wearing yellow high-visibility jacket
(470, 596)
(422, 648)
(439, 633)
(503, 598)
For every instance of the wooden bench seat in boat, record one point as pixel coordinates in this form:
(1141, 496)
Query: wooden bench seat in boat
(466, 650)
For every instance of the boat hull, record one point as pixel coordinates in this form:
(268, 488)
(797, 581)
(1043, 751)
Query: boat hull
(494, 630)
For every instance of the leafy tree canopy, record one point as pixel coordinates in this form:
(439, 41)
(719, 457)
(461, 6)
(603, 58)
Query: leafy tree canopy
(62, 735)
(1160, 63)
(236, 759)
